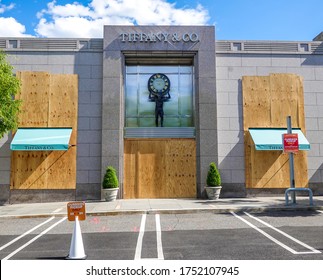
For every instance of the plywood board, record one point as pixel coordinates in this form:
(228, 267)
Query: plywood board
(34, 92)
(159, 168)
(63, 103)
(270, 169)
(256, 101)
(285, 96)
(267, 101)
(29, 170)
(61, 169)
(43, 170)
(49, 100)
(180, 164)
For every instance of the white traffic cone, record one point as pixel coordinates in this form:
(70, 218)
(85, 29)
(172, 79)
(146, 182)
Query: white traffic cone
(77, 248)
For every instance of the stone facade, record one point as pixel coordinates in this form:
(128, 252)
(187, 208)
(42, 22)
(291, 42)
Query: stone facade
(304, 59)
(218, 67)
(122, 42)
(78, 56)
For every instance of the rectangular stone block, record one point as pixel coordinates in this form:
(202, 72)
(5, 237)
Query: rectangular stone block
(88, 163)
(90, 110)
(230, 137)
(232, 60)
(4, 194)
(208, 143)
(60, 59)
(206, 62)
(82, 177)
(89, 136)
(256, 60)
(111, 143)
(207, 116)
(207, 92)
(88, 192)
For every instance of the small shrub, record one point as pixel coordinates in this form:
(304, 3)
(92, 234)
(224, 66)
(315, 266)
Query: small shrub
(213, 176)
(110, 179)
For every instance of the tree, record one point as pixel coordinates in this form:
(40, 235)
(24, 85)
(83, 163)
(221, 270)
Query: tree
(9, 107)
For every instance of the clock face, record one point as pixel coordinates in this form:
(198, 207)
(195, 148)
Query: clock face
(158, 83)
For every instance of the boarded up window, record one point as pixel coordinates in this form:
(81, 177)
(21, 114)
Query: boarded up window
(267, 101)
(49, 100)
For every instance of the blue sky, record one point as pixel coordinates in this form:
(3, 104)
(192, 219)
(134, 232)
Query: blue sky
(290, 20)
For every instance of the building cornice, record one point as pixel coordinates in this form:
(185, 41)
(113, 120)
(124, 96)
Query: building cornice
(222, 46)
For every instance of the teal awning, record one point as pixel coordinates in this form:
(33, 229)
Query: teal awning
(41, 139)
(269, 139)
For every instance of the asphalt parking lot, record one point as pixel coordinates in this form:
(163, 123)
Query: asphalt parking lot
(278, 235)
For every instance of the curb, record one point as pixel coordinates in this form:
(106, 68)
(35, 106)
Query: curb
(260, 209)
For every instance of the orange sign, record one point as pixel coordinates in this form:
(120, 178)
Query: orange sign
(74, 209)
(290, 142)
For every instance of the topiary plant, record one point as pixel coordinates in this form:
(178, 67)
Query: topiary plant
(213, 176)
(110, 179)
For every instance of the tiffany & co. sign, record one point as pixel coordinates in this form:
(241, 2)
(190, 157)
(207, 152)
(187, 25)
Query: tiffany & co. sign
(158, 37)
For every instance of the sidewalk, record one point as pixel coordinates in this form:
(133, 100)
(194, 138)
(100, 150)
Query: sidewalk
(162, 206)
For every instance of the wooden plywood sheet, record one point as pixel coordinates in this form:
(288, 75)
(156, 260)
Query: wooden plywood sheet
(28, 170)
(61, 169)
(285, 96)
(256, 101)
(34, 92)
(180, 164)
(63, 103)
(144, 164)
(150, 168)
(131, 179)
(268, 100)
(282, 95)
(43, 170)
(48, 101)
(159, 168)
(270, 169)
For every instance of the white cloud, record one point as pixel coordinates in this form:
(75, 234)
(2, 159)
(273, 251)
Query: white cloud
(77, 20)
(9, 27)
(75, 10)
(70, 27)
(4, 8)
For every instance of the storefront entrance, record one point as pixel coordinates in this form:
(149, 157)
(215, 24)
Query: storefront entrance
(158, 161)
(160, 168)
(159, 126)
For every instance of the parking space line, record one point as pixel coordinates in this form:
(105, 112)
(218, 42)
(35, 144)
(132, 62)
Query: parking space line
(160, 253)
(285, 234)
(140, 237)
(271, 238)
(24, 234)
(34, 239)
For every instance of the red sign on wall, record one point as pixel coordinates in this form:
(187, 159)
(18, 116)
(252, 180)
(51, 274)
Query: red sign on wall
(290, 142)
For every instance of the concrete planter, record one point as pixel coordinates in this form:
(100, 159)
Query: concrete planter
(213, 193)
(110, 194)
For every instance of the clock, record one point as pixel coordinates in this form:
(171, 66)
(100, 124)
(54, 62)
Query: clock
(158, 83)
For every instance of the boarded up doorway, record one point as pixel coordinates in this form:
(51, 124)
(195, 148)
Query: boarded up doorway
(160, 168)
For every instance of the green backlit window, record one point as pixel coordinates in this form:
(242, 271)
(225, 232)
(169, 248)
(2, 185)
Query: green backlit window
(178, 110)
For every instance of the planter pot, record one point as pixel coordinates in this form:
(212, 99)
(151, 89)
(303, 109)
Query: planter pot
(213, 192)
(110, 194)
